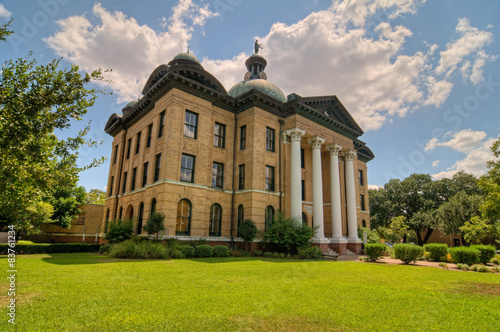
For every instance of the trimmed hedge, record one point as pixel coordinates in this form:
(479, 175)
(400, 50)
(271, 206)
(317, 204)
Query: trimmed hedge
(203, 251)
(408, 253)
(374, 251)
(50, 248)
(187, 250)
(221, 251)
(437, 251)
(464, 255)
(486, 253)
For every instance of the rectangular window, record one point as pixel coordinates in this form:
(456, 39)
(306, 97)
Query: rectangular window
(111, 186)
(302, 163)
(241, 179)
(362, 199)
(80, 220)
(191, 124)
(115, 155)
(145, 174)
(128, 147)
(134, 176)
(269, 178)
(217, 175)
(157, 167)
(187, 168)
(162, 124)
(243, 137)
(270, 137)
(138, 143)
(124, 182)
(150, 134)
(303, 187)
(361, 181)
(220, 135)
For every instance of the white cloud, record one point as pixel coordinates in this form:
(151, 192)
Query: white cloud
(471, 42)
(374, 186)
(438, 91)
(120, 43)
(4, 13)
(474, 162)
(435, 163)
(463, 141)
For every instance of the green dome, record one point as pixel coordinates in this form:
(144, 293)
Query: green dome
(132, 103)
(187, 56)
(264, 86)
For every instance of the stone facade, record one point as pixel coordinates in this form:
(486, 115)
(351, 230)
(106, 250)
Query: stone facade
(255, 140)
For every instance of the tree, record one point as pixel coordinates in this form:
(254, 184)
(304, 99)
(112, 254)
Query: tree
(95, 196)
(65, 202)
(458, 210)
(287, 234)
(36, 102)
(248, 231)
(154, 225)
(477, 229)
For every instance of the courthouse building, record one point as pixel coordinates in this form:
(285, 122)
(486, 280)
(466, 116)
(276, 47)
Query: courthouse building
(208, 158)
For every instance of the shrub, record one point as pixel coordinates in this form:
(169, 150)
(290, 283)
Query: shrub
(123, 249)
(244, 253)
(187, 250)
(258, 253)
(287, 234)
(437, 251)
(469, 256)
(282, 255)
(372, 235)
(486, 253)
(172, 244)
(268, 254)
(48, 248)
(247, 231)
(310, 253)
(495, 260)
(443, 265)
(199, 242)
(152, 250)
(221, 251)
(479, 268)
(119, 230)
(408, 253)
(177, 254)
(236, 253)
(374, 251)
(142, 250)
(105, 248)
(203, 251)
(154, 225)
(495, 269)
(276, 255)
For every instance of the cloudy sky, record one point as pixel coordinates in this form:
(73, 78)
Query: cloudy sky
(421, 78)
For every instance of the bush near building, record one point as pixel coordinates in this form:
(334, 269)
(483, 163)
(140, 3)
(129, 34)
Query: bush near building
(408, 253)
(437, 251)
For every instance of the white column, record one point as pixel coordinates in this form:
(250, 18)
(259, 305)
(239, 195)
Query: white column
(295, 135)
(335, 194)
(352, 216)
(316, 143)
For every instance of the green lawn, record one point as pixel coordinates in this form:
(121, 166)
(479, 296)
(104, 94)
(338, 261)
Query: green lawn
(90, 292)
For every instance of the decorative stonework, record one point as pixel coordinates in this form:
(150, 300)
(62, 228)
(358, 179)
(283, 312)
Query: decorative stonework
(316, 142)
(295, 134)
(350, 155)
(334, 148)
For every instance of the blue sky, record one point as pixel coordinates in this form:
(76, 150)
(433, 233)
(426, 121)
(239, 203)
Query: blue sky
(421, 78)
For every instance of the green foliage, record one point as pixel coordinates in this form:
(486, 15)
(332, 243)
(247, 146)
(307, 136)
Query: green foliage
(408, 253)
(477, 229)
(287, 234)
(276, 255)
(221, 251)
(247, 231)
(464, 255)
(154, 225)
(203, 251)
(258, 253)
(119, 230)
(454, 213)
(105, 248)
(374, 251)
(310, 252)
(177, 254)
(187, 250)
(36, 165)
(199, 242)
(372, 236)
(95, 196)
(462, 266)
(48, 248)
(437, 251)
(65, 201)
(486, 253)
(172, 243)
(443, 265)
(268, 254)
(495, 260)
(479, 268)
(141, 250)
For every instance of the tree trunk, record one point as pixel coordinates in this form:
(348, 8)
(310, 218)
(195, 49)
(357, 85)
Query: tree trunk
(428, 234)
(464, 243)
(419, 238)
(404, 238)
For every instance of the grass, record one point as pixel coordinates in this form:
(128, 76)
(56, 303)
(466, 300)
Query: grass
(90, 292)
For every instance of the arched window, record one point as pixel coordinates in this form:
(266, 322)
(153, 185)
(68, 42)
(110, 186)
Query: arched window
(304, 218)
(269, 216)
(241, 216)
(215, 220)
(121, 212)
(106, 223)
(141, 215)
(183, 225)
(153, 206)
(363, 223)
(131, 213)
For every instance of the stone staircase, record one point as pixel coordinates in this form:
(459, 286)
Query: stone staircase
(330, 254)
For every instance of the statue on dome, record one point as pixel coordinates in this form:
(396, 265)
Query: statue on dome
(257, 46)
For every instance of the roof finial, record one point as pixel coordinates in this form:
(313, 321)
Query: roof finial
(257, 46)
(188, 48)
